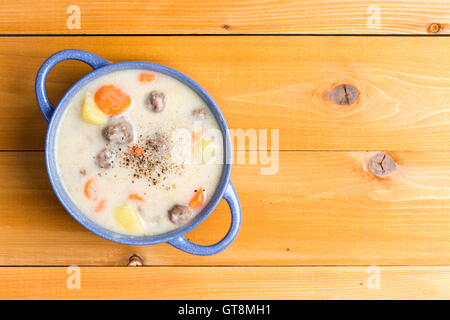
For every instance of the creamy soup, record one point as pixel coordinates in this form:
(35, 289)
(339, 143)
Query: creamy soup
(139, 152)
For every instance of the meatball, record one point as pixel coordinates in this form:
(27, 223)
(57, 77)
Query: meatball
(156, 101)
(105, 158)
(158, 143)
(180, 214)
(118, 131)
(199, 114)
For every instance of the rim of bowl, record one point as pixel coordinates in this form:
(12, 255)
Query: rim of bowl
(84, 220)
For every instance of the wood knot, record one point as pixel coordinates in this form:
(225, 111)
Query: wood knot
(344, 94)
(226, 27)
(135, 261)
(382, 164)
(434, 28)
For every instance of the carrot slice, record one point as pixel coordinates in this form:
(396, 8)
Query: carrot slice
(196, 135)
(136, 150)
(90, 189)
(111, 100)
(198, 199)
(135, 196)
(100, 206)
(146, 77)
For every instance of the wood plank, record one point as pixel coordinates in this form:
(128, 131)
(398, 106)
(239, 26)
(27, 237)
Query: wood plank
(225, 17)
(321, 208)
(264, 82)
(226, 283)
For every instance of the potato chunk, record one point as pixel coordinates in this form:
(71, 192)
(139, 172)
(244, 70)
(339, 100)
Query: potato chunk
(91, 113)
(209, 151)
(128, 218)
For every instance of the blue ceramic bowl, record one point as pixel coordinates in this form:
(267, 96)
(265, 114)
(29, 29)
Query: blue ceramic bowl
(53, 116)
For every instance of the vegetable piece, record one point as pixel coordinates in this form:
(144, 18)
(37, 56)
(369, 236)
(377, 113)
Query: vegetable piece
(90, 190)
(198, 199)
(91, 113)
(197, 135)
(100, 206)
(208, 151)
(137, 151)
(111, 100)
(135, 196)
(128, 218)
(146, 77)
(197, 146)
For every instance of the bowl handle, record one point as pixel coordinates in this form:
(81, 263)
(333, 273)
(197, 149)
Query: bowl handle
(183, 244)
(41, 94)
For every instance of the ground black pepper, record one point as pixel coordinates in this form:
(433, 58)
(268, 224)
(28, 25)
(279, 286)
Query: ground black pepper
(148, 158)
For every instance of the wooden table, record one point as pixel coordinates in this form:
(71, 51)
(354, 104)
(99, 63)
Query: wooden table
(324, 226)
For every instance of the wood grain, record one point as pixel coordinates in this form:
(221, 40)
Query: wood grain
(321, 208)
(225, 282)
(264, 82)
(225, 17)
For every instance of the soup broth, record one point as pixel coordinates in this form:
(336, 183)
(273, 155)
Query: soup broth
(139, 152)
